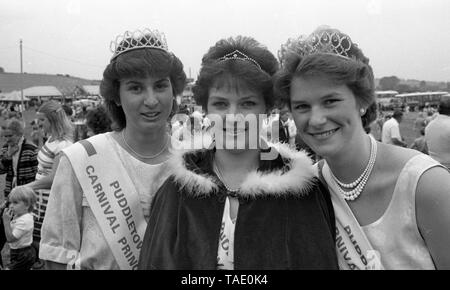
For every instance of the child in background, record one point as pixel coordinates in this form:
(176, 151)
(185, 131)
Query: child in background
(19, 224)
(420, 144)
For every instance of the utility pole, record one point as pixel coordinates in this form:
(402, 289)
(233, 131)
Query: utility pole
(21, 85)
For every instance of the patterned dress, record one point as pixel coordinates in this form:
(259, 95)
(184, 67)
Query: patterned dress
(46, 158)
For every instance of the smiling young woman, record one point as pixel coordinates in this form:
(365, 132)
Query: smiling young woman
(104, 186)
(391, 203)
(226, 207)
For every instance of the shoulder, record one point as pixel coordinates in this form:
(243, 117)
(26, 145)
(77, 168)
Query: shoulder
(29, 146)
(392, 157)
(57, 145)
(64, 167)
(433, 188)
(61, 144)
(25, 221)
(28, 218)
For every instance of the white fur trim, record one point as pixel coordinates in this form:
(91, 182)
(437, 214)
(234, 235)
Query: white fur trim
(196, 184)
(297, 180)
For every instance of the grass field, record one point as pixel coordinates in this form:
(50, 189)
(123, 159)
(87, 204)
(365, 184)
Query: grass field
(406, 128)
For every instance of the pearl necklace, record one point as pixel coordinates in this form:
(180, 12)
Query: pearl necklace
(140, 155)
(358, 185)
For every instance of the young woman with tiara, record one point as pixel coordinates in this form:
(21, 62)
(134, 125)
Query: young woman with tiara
(391, 203)
(238, 205)
(103, 189)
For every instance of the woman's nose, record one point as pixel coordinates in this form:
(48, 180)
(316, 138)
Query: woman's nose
(318, 117)
(150, 98)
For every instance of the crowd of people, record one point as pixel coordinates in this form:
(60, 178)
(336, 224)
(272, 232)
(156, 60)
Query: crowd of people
(279, 170)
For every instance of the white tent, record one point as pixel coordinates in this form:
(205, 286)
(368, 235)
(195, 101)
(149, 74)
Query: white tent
(13, 96)
(92, 90)
(42, 91)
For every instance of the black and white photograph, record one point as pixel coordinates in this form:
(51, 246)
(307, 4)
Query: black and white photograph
(242, 135)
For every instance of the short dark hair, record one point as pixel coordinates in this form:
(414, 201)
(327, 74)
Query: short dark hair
(354, 72)
(68, 110)
(98, 120)
(237, 72)
(139, 62)
(397, 114)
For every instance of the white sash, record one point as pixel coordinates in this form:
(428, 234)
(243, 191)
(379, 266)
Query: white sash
(353, 249)
(112, 197)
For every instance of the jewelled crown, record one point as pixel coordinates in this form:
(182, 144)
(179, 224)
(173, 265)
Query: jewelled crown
(138, 39)
(323, 40)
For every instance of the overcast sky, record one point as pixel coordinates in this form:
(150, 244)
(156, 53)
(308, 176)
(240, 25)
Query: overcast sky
(406, 38)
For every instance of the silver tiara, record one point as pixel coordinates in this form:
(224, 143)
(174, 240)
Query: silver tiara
(324, 40)
(138, 39)
(237, 55)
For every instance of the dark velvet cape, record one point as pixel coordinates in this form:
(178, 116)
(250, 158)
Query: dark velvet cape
(292, 229)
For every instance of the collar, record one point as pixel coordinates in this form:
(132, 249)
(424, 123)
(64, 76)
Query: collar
(291, 173)
(19, 145)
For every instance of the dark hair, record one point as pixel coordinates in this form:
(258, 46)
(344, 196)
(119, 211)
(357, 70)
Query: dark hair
(98, 120)
(139, 62)
(397, 114)
(444, 106)
(237, 72)
(68, 110)
(354, 72)
(422, 131)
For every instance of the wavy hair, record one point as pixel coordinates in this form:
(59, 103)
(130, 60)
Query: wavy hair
(61, 128)
(237, 73)
(139, 62)
(354, 72)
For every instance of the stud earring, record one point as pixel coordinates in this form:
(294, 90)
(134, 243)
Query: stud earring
(362, 111)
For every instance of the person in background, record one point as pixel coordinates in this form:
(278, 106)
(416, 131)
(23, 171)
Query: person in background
(18, 156)
(68, 110)
(437, 134)
(98, 121)
(59, 129)
(18, 160)
(390, 134)
(19, 224)
(286, 128)
(430, 116)
(192, 132)
(419, 123)
(37, 134)
(420, 144)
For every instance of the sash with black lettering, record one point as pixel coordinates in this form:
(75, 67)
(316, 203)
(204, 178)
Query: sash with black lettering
(112, 197)
(354, 250)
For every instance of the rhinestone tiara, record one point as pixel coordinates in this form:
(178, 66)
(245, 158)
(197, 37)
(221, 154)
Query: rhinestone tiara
(237, 55)
(138, 39)
(324, 40)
